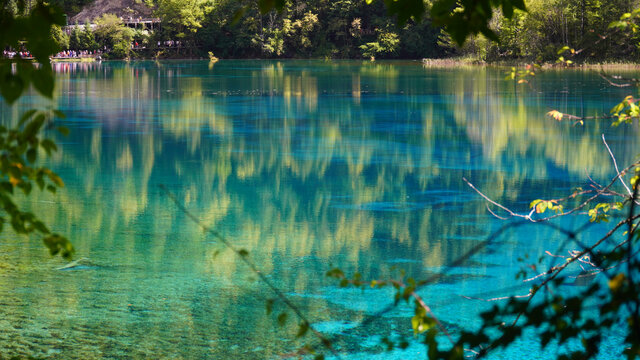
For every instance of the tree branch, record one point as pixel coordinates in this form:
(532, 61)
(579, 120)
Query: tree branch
(602, 191)
(615, 164)
(556, 270)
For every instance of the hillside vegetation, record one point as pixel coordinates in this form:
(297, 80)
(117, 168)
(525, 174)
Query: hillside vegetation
(355, 29)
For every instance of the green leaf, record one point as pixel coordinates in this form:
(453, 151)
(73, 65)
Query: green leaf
(33, 126)
(26, 187)
(303, 328)
(7, 187)
(48, 146)
(26, 116)
(616, 109)
(32, 154)
(416, 321)
(11, 87)
(40, 181)
(59, 114)
(335, 273)
(59, 245)
(38, 225)
(282, 318)
(58, 181)
(43, 81)
(618, 24)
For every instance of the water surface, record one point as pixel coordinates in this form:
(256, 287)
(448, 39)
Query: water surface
(307, 165)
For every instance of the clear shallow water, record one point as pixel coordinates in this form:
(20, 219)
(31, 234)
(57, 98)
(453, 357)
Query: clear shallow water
(307, 165)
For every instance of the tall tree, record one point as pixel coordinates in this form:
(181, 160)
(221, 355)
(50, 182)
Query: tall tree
(182, 19)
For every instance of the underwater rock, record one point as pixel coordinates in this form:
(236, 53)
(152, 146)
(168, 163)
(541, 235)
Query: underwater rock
(80, 264)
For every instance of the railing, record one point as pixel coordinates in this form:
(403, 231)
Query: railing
(126, 21)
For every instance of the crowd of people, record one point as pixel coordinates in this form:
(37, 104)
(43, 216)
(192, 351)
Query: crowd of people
(77, 53)
(12, 53)
(60, 55)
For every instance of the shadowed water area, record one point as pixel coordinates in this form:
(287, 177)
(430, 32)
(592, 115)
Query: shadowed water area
(308, 165)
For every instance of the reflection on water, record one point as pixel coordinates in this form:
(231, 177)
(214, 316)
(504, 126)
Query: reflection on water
(307, 165)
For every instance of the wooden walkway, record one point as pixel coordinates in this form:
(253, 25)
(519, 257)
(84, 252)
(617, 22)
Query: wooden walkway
(143, 23)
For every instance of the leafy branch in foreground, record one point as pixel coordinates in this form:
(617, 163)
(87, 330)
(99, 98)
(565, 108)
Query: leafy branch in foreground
(19, 148)
(28, 32)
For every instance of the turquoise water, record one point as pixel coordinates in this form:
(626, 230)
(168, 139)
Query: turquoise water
(307, 165)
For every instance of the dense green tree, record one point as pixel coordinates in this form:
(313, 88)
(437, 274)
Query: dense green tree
(386, 44)
(181, 19)
(230, 36)
(88, 39)
(112, 34)
(60, 37)
(549, 25)
(356, 29)
(336, 29)
(75, 42)
(82, 38)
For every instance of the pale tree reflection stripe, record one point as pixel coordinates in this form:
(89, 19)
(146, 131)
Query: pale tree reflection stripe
(244, 256)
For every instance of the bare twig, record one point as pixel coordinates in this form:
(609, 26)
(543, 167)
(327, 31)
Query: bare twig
(493, 202)
(559, 116)
(604, 75)
(537, 276)
(550, 254)
(615, 164)
(594, 183)
(496, 215)
(585, 259)
(586, 274)
(602, 191)
(573, 195)
(497, 298)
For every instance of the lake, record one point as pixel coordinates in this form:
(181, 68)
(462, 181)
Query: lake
(306, 165)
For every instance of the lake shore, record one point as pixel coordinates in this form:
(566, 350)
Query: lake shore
(427, 62)
(471, 62)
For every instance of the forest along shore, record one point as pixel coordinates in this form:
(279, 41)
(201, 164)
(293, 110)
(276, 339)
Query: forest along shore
(340, 30)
